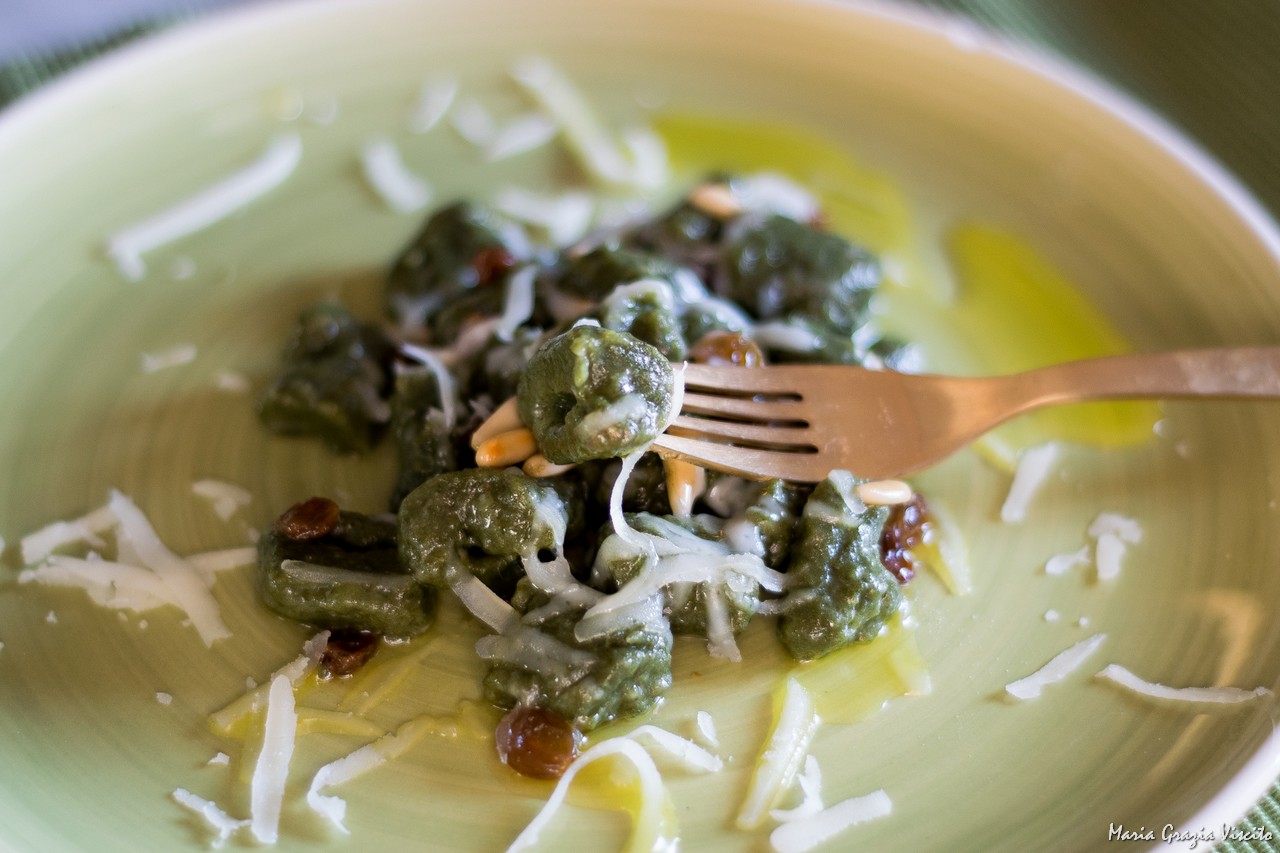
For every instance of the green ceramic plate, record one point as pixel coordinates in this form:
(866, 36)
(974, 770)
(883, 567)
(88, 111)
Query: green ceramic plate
(1164, 245)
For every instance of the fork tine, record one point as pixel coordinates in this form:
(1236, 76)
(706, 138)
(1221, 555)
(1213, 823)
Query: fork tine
(745, 408)
(769, 436)
(743, 461)
(719, 378)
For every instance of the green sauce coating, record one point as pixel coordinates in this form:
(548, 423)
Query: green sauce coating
(630, 671)
(774, 511)
(712, 314)
(481, 521)
(595, 274)
(438, 268)
(593, 394)
(646, 311)
(685, 234)
(333, 382)
(424, 442)
(349, 578)
(782, 268)
(843, 593)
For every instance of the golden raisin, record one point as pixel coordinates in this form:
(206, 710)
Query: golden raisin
(491, 263)
(727, 348)
(904, 530)
(311, 519)
(535, 742)
(348, 649)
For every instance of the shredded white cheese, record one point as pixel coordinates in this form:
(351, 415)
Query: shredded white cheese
(1108, 552)
(181, 578)
(174, 356)
(482, 602)
(218, 820)
(152, 578)
(1055, 670)
(565, 217)
(164, 698)
(220, 759)
(226, 498)
(446, 386)
(1125, 529)
(109, 584)
(1060, 564)
(434, 99)
(398, 187)
(799, 836)
(364, 759)
(706, 727)
(253, 701)
(810, 782)
(782, 756)
(638, 161)
(769, 192)
(1190, 695)
(117, 586)
(210, 563)
(653, 794)
(519, 135)
(688, 753)
(473, 122)
(266, 788)
(197, 212)
(517, 303)
(1034, 466)
(86, 529)
(785, 336)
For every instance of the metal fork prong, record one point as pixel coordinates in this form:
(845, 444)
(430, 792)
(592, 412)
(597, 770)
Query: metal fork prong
(775, 380)
(736, 431)
(746, 462)
(745, 409)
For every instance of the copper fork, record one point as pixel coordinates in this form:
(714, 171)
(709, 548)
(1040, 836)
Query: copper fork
(799, 422)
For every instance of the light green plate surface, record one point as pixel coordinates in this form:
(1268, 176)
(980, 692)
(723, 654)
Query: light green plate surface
(1157, 239)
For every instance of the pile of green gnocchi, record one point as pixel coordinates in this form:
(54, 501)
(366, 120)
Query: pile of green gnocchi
(582, 563)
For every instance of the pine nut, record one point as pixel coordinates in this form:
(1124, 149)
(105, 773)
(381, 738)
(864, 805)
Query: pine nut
(884, 492)
(685, 484)
(506, 448)
(716, 200)
(538, 465)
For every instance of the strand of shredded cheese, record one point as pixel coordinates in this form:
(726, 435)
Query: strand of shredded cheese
(197, 212)
(1055, 670)
(1190, 695)
(266, 790)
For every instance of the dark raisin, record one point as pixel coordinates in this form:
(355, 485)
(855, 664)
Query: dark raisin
(535, 742)
(491, 263)
(311, 519)
(727, 348)
(347, 651)
(904, 530)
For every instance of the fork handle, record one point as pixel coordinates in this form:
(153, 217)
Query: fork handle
(1241, 372)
